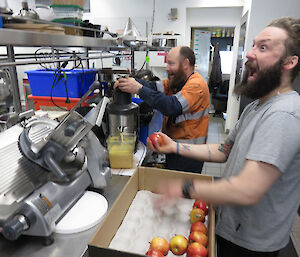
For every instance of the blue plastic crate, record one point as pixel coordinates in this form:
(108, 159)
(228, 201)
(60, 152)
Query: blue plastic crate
(41, 82)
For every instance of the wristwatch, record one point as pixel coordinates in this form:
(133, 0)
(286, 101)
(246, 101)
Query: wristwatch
(187, 186)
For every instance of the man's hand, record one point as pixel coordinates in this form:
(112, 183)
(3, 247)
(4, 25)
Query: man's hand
(167, 145)
(128, 85)
(169, 192)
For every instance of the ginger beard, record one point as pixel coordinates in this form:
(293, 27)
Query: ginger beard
(257, 83)
(177, 79)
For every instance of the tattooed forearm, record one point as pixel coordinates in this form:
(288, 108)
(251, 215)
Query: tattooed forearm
(226, 147)
(209, 153)
(186, 147)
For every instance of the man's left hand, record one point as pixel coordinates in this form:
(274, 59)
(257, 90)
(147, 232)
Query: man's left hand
(129, 85)
(168, 191)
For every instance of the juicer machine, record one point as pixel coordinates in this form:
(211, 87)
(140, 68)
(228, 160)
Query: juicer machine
(46, 166)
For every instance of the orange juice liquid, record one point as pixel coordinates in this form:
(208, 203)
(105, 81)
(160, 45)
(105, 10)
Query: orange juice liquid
(121, 156)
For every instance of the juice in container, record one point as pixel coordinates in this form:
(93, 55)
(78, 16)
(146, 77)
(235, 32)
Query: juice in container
(121, 150)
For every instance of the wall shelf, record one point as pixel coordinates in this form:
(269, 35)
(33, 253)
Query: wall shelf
(27, 38)
(13, 37)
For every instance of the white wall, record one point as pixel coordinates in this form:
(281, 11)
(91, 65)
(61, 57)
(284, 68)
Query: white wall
(115, 13)
(16, 5)
(233, 103)
(247, 6)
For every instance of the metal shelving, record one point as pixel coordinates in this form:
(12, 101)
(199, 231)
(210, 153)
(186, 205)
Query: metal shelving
(13, 37)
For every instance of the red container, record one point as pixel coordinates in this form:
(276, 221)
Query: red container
(60, 101)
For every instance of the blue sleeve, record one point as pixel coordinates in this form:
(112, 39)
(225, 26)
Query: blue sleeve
(167, 105)
(149, 84)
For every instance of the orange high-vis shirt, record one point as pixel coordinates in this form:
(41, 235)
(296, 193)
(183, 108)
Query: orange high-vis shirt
(192, 125)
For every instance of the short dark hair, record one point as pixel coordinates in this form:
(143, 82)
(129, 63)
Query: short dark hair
(292, 43)
(188, 53)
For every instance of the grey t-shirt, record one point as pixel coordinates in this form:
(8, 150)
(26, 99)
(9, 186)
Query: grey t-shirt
(269, 133)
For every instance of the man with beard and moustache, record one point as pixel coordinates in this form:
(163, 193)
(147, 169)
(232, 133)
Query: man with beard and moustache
(183, 99)
(259, 194)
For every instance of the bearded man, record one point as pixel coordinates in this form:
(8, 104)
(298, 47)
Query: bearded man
(183, 99)
(259, 195)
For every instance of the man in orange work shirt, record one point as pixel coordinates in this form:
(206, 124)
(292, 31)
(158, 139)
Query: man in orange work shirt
(183, 99)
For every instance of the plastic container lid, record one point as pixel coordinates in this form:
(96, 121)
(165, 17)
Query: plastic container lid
(67, 11)
(86, 213)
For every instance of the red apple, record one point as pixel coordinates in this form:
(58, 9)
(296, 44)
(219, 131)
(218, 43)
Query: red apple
(199, 237)
(197, 214)
(196, 249)
(156, 138)
(201, 205)
(178, 244)
(154, 253)
(160, 244)
(199, 226)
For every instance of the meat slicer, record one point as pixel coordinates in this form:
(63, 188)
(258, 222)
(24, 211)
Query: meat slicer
(45, 167)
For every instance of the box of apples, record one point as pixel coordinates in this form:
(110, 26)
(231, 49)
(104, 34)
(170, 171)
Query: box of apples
(133, 227)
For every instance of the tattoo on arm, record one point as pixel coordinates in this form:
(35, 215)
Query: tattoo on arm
(186, 147)
(226, 147)
(209, 153)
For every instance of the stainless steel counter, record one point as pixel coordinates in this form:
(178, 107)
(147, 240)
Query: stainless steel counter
(73, 245)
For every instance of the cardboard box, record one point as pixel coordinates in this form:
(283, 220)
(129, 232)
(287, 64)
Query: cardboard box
(143, 179)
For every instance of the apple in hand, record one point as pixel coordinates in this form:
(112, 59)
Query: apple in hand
(178, 244)
(156, 138)
(160, 244)
(201, 205)
(197, 214)
(196, 249)
(199, 226)
(199, 237)
(154, 253)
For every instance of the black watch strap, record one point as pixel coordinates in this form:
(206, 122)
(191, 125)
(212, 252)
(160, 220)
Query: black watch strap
(186, 188)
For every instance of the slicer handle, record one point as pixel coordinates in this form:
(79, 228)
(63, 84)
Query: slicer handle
(14, 227)
(54, 167)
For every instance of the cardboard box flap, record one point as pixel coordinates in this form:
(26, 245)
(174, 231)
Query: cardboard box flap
(115, 216)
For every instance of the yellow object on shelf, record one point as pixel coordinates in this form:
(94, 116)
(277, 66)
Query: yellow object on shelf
(120, 150)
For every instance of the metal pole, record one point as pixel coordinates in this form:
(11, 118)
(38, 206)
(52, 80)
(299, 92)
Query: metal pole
(148, 36)
(132, 61)
(55, 57)
(14, 79)
(87, 55)
(5, 64)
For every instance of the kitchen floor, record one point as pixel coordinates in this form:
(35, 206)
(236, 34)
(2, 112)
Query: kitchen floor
(216, 135)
